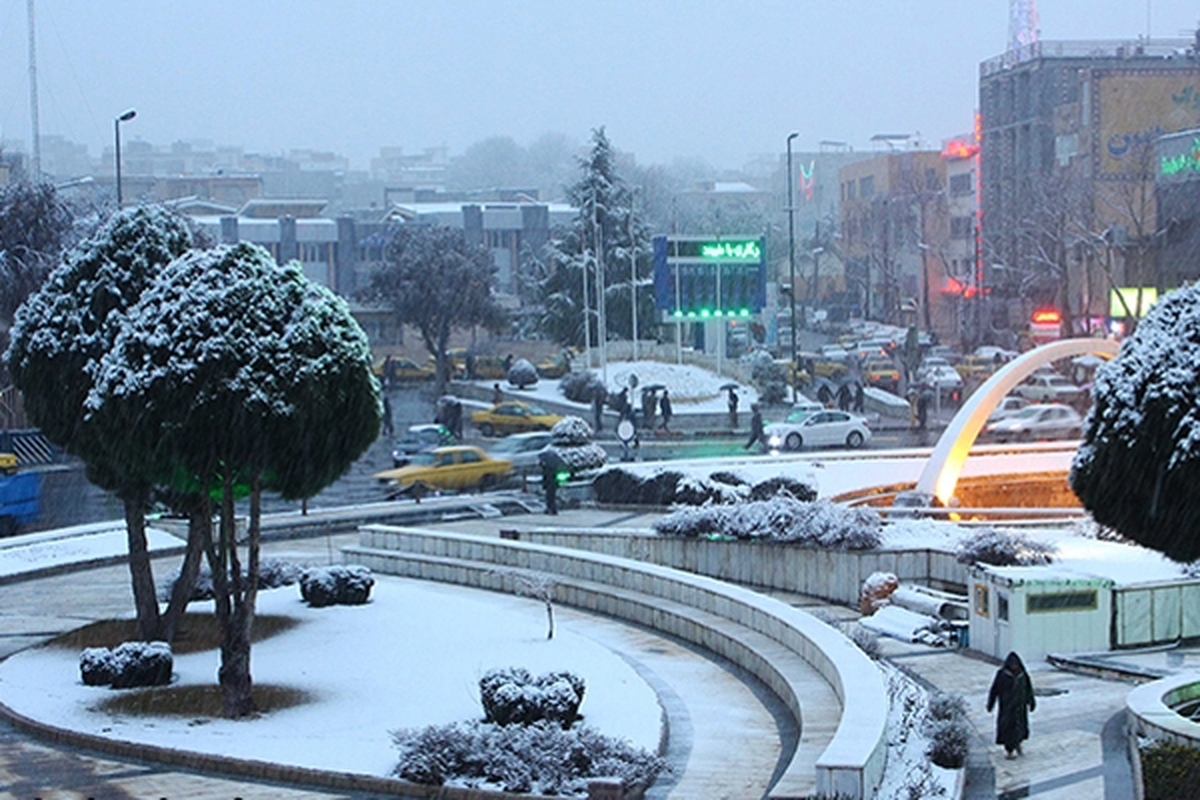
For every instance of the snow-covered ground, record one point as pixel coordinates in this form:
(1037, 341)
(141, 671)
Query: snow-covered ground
(411, 657)
(80, 544)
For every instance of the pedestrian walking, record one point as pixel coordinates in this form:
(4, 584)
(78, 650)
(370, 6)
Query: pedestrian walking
(389, 425)
(843, 397)
(599, 395)
(859, 399)
(551, 463)
(497, 395)
(665, 410)
(1013, 692)
(756, 426)
(456, 418)
(649, 409)
(733, 407)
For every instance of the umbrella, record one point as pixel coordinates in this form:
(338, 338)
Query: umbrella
(654, 387)
(726, 386)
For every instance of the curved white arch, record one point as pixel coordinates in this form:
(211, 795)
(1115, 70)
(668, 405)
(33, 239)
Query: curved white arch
(941, 472)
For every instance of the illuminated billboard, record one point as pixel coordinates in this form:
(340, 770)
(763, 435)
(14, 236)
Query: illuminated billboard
(1137, 300)
(706, 277)
(1133, 108)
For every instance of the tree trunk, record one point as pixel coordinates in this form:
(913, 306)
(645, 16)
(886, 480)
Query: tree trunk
(145, 600)
(237, 696)
(199, 532)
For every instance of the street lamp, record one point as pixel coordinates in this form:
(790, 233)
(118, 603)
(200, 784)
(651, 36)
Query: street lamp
(791, 252)
(128, 115)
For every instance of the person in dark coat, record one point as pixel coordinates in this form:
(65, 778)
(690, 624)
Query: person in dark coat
(859, 399)
(551, 463)
(599, 395)
(456, 419)
(649, 409)
(756, 426)
(389, 425)
(497, 395)
(1013, 692)
(733, 406)
(843, 397)
(664, 408)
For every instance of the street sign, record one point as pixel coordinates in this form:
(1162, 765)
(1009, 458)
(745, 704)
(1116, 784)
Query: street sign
(698, 278)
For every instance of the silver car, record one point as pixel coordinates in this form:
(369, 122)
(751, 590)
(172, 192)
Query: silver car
(1038, 421)
(522, 449)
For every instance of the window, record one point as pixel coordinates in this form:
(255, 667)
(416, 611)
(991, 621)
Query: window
(961, 184)
(981, 600)
(962, 227)
(866, 186)
(1002, 607)
(1061, 601)
(849, 187)
(469, 457)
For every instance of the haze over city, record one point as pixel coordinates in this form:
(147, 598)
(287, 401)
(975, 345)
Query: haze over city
(717, 80)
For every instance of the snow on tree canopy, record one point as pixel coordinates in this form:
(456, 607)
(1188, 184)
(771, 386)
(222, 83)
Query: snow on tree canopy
(264, 367)
(1139, 462)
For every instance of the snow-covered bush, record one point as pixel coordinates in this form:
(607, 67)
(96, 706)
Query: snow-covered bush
(336, 585)
(129, 665)
(570, 431)
(617, 485)
(728, 478)
(542, 758)
(949, 742)
(1003, 549)
(866, 640)
(782, 484)
(693, 491)
(273, 573)
(513, 696)
(580, 387)
(522, 373)
(781, 519)
(769, 378)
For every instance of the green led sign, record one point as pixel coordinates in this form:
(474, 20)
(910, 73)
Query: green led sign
(731, 251)
(1184, 162)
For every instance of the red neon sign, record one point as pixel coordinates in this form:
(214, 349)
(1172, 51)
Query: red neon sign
(1046, 316)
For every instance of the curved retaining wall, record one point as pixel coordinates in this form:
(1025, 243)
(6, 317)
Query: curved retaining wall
(1149, 709)
(851, 764)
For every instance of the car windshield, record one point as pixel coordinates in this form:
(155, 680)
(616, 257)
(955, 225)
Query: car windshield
(1029, 412)
(800, 416)
(1060, 382)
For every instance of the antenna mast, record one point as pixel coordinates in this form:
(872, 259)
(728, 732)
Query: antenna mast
(36, 166)
(1022, 26)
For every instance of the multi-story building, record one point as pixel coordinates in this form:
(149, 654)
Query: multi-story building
(895, 228)
(1067, 160)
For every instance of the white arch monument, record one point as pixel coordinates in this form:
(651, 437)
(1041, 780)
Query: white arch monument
(940, 476)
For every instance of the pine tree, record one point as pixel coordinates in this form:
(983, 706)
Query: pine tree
(605, 229)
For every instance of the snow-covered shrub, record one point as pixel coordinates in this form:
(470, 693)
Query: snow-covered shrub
(781, 519)
(948, 730)
(581, 458)
(336, 585)
(129, 665)
(769, 378)
(1003, 549)
(272, 574)
(693, 491)
(570, 431)
(512, 696)
(522, 373)
(726, 477)
(542, 758)
(581, 386)
(617, 485)
(782, 484)
(1169, 770)
(865, 640)
(95, 666)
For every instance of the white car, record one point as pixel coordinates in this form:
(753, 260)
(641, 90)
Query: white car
(824, 428)
(522, 449)
(1038, 421)
(937, 373)
(1013, 404)
(1048, 388)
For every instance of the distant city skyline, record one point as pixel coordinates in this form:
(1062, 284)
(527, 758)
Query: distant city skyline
(716, 80)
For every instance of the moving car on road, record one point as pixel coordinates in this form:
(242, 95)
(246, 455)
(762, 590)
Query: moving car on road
(1037, 422)
(460, 467)
(1048, 388)
(513, 416)
(824, 428)
(420, 439)
(522, 449)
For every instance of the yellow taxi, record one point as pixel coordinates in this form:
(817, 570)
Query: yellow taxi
(399, 368)
(455, 467)
(513, 416)
(978, 367)
(881, 373)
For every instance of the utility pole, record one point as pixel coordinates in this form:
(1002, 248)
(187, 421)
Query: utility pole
(35, 172)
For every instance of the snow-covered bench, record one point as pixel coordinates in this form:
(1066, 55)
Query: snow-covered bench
(702, 610)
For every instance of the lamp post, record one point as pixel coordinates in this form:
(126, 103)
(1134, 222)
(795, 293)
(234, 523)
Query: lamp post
(128, 115)
(633, 274)
(792, 253)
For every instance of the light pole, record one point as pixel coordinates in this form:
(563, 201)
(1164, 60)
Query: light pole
(792, 253)
(633, 273)
(128, 115)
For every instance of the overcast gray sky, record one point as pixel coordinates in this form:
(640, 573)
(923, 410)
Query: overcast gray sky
(723, 80)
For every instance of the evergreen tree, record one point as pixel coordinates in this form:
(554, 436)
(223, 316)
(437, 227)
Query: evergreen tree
(607, 228)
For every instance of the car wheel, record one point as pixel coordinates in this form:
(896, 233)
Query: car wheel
(1024, 436)
(487, 482)
(1075, 433)
(854, 440)
(487, 429)
(793, 441)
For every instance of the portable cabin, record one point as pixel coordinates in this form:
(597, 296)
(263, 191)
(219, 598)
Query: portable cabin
(1038, 610)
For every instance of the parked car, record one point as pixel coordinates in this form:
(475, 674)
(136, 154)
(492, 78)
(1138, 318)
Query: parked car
(824, 428)
(977, 368)
(554, 366)
(458, 467)
(1048, 388)
(998, 354)
(399, 368)
(513, 416)
(1038, 421)
(1007, 407)
(945, 352)
(420, 439)
(522, 449)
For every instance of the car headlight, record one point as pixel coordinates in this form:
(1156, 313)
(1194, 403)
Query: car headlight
(774, 440)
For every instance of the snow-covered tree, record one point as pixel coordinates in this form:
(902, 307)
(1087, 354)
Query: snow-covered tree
(438, 283)
(232, 371)
(60, 334)
(603, 228)
(1139, 462)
